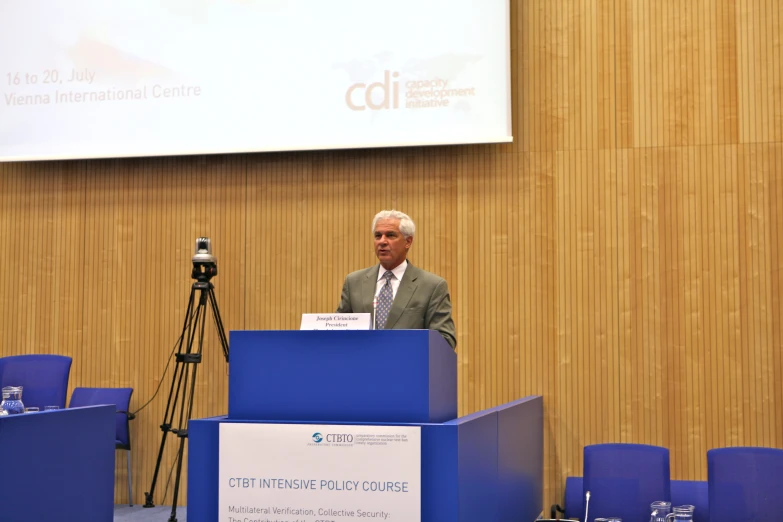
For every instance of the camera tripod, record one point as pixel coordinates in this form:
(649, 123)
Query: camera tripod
(179, 406)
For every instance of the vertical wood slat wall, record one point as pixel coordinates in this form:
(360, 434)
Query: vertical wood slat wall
(623, 257)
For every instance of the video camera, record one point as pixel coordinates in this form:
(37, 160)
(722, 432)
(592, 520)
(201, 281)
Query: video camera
(204, 263)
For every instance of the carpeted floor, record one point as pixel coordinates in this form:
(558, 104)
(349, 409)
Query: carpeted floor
(156, 514)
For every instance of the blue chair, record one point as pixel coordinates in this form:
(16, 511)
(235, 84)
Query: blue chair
(120, 398)
(624, 479)
(745, 484)
(574, 496)
(572, 499)
(43, 376)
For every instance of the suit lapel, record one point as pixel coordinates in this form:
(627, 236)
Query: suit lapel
(368, 287)
(404, 293)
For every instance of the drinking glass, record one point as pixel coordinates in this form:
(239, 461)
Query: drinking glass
(32, 409)
(51, 408)
(681, 513)
(659, 509)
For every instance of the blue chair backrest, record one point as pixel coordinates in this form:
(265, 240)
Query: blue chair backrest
(745, 484)
(120, 397)
(624, 479)
(43, 376)
(574, 494)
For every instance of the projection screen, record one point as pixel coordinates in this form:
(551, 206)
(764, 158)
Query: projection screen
(91, 78)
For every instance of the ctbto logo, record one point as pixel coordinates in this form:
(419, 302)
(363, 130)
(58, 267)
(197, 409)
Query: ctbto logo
(339, 437)
(332, 438)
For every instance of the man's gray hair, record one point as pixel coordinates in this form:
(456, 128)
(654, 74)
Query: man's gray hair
(407, 226)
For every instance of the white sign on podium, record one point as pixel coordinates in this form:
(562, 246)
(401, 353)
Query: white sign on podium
(335, 321)
(308, 473)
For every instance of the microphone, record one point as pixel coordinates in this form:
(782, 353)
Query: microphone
(587, 504)
(374, 312)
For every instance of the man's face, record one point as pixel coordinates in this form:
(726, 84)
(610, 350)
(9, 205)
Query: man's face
(391, 247)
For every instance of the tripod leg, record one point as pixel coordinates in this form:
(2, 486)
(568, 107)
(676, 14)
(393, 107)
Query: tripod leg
(173, 516)
(218, 322)
(185, 382)
(185, 417)
(166, 428)
(176, 380)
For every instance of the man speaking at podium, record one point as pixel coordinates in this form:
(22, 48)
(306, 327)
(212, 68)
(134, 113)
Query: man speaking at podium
(402, 295)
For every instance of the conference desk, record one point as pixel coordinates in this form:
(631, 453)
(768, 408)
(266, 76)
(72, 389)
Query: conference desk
(58, 465)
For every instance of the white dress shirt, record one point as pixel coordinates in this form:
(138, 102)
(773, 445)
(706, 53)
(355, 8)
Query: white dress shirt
(398, 272)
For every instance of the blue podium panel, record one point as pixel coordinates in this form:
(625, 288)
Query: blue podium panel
(485, 467)
(58, 465)
(520, 466)
(384, 376)
(477, 458)
(499, 465)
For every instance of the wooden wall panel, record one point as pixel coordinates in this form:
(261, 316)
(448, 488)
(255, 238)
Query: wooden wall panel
(760, 83)
(622, 257)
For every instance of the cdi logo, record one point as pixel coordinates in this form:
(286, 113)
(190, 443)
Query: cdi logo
(317, 438)
(376, 96)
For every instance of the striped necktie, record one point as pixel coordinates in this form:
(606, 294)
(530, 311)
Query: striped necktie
(385, 298)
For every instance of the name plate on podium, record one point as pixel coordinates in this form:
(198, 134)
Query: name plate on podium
(326, 473)
(336, 321)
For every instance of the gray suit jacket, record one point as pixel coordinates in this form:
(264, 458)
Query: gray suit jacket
(422, 301)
